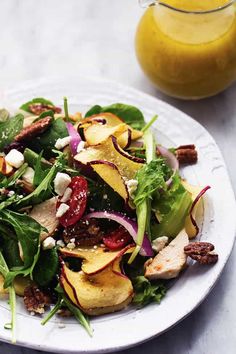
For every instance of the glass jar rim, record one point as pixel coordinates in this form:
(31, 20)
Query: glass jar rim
(196, 12)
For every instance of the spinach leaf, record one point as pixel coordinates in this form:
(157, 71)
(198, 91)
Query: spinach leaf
(146, 292)
(10, 248)
(46, 267)
(44, 190)
(9, 129)
(27, 231)
(25, 106)
(130, 114)
(47, 140)
(4, 115)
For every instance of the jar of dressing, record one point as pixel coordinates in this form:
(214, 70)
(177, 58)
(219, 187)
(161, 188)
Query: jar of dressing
(188, 47)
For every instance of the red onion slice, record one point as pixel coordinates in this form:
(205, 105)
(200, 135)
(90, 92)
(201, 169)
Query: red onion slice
(193, 220)
(129, 224)
(171, 161)
(75, 138)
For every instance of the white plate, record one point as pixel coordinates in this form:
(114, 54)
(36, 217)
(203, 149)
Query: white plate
(130, 327)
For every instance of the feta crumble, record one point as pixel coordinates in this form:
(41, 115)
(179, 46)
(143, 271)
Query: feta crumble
(132, 185)
(159, 243)
(60, 243)
(61, 182)
(62, 210)
(15, 158)
(62, 142)
(80, 146)
(28, 176)
(66, 195)
(70, 245)
(48, 243)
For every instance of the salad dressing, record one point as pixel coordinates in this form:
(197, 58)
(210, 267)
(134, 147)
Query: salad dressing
(188, 55)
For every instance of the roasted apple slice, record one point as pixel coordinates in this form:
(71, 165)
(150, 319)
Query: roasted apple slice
(197, 210)
(110, 151)
(96, 133)
(94, 259)
(111, 175)
(105, 292)
(5, 168)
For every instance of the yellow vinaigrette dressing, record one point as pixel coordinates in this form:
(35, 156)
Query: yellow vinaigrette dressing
(185, 54)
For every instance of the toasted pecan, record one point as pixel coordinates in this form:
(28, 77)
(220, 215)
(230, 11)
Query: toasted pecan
(186, 154)
(38, 108)
(34, 129)
(85, 233)
(202, 252)
(36, 300)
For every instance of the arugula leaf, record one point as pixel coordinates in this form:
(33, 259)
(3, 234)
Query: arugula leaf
(31, 158)
(47, 140)
(172, 209)
(44, 190)
(146, 292)
(46, 267)
(130, 114)
(79, 315)
(151, 177)
(9, 182)
(4, 271)
(40, 171)
(9, 129)
(53, 311)
(25, 106)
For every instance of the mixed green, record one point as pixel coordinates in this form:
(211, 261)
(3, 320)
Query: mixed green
(85, 204)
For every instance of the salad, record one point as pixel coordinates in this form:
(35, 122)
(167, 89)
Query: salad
(94, 213)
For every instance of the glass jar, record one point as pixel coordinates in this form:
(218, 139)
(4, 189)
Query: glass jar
(188, 47)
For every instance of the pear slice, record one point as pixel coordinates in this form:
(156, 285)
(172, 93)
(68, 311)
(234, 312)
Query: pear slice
(105, 292)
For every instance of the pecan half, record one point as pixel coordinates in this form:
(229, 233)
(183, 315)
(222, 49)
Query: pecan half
(186, 154)
(38, 108)
(36, 300)
(201, 252)
(34, 129)
(85, 233)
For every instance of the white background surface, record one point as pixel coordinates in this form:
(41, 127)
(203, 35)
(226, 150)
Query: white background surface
(60, 38)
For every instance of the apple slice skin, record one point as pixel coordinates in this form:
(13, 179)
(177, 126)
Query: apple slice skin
(95, 260)
(110, 151)
(98, 294)
(111, 175)
(96, 133)
(5, 168)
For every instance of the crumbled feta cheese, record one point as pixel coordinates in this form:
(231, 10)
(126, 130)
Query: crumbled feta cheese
(61, 325)
(70, 245)
(62, 142)
(80, 146)
(66, 195)
(105, 196)
(159, 243)
(10, 193)
(61, 182)
(28, 176)
(72, 240)
(15, 158)
(48, 243)
(132, 185)
(60, 243)
(62, 210)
